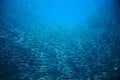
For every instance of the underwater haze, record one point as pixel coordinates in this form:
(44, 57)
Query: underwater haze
(59, 40)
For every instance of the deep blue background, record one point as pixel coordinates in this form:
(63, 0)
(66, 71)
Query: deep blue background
(59, 40)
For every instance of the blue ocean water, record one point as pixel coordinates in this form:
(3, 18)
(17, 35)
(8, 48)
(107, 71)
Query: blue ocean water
(59, 40)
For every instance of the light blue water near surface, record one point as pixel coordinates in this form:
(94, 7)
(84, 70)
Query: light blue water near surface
(50, 12)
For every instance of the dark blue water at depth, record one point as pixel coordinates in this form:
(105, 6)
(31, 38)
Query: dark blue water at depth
(59, 40)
